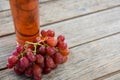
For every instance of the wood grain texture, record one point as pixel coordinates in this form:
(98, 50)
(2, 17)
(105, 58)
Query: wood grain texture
(86, 62)
(114, 77)
(59, 10)
(77, 31)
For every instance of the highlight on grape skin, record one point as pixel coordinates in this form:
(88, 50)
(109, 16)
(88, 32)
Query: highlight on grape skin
(39, 57)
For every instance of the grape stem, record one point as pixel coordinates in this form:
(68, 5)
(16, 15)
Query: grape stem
(27, 42)
(35, 50)
(35, 46)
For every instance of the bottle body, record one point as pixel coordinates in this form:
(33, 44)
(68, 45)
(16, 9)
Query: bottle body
(26, 19)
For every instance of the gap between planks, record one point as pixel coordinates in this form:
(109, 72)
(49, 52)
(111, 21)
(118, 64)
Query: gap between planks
(4, 35)
(108, 75)
(81, 15)
(96, 39)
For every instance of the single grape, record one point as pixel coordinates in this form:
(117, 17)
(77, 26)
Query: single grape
(37, 39)
(15, 52)
(9, 66)
(50, 50)
(50, 33)
(49, 62)
(43, 33)
(60, 38)
(18, 69)
(20, 48)
(30, 47)
(64, 52)
(47, 70)
(31, 56)
(56, 65)
(29, 72)
(62, 45)
(65, 58)
(58, 58)
(29, 50)
(39, 59)
(51, 41)
(39, 77)
(41, 50)
(12, 59)
(37, 70)
(24, 62)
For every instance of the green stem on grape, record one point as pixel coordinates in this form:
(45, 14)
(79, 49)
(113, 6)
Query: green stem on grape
(35, 50)
(56, 49)
(26, 46)
(27, 42)
(35, 46)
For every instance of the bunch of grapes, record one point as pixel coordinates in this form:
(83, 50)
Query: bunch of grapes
(40, 56)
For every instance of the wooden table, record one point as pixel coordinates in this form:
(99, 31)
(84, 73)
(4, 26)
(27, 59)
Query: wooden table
(92, 30)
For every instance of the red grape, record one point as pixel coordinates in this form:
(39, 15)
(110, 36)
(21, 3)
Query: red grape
(12, 59)
(51, 41)
(61, 38)
(65, 58)
(15, 52)
(18, 69)
(49, 62)
(31, 56)
(39, 77)
(20, 48)
(24, 62)
(64, 52)
(37, 39)
(56, 65)
(62, 45)
(50, 50)
(47, 70)
(41, 50)
(29, 50)
(29, 72)
(50, 33)
(43, 33)
(31, 47)
(9, 66)
(39, 59)
(37, 70)
(58, 58)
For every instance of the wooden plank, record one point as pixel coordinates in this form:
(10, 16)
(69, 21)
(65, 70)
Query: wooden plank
(77, 31)
(86, 62)
(114, 77)
(4, 4)
(59, 10)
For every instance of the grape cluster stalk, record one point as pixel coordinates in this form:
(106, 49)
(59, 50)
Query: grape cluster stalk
(44, 54)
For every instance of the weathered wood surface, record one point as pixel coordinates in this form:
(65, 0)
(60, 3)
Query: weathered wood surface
(59, 10)
(92, 30)
(77, 31)
(86, 62)
(4, 4)
(114, 77)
